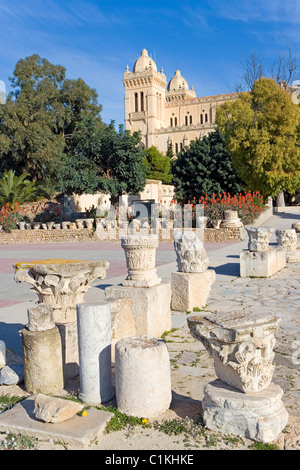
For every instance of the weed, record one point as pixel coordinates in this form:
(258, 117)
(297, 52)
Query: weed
(121, 421)
(262, 446)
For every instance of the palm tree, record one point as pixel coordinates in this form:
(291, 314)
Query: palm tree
(18, 189)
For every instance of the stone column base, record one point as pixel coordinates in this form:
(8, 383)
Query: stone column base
(143, 377)
(262, 263)
(259, 416)
(191, 290)
(150, 306)
(43, 368)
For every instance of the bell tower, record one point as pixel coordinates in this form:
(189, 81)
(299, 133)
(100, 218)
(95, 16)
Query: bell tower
(145, 90)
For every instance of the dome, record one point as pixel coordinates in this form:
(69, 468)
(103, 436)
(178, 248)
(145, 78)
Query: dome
(143, 62)
(177, 82)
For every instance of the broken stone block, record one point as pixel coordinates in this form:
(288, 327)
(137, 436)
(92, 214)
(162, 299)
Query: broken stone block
(262, 263)
(190, 252)
(55, 410)
(150, 306)
(191, 290)
(12, 375)
(40, 318)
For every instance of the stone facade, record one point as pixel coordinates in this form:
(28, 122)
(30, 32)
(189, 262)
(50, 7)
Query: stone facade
(166, 113)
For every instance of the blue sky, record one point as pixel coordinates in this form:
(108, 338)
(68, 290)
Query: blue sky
(207, 40)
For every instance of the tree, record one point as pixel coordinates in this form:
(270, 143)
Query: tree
(122, 159)
(283, 70)
(262, 135)
(81, 166)
(205, 168)
(39, 117)
(103, 160)
(158, 165)
(18, 189)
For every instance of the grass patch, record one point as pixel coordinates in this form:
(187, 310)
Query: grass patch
(7, 402)
(122, 421)
(262, 446)
(166, 333)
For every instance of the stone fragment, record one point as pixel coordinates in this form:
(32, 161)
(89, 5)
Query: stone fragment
(190, 290)
(2, 354)
(259, 238)
(12, 374)
(40, 318)
(241, 345)
(296, 226)
(287, 238)
(261, 416)
(190, 252)
(143, 377)
(55, 410)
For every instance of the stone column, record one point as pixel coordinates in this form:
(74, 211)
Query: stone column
(140, 252)
(94, 341)
(150, 298)
(62, 284)
(42, 347)
(143, 378)
(231, 220)
(192, 283)
(243, 400)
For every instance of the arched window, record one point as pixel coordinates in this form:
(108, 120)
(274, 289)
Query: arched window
(175, 121)
(201, 118)
(206, 117)
(142, 101)
(191, 120)
(136, 102)
(171, 122)
(176, 148)
(186, 120)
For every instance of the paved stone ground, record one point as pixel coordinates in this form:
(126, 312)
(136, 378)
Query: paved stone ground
(191, 367)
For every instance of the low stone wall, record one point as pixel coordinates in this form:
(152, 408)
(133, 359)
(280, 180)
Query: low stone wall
(87, 235)
(47, 236)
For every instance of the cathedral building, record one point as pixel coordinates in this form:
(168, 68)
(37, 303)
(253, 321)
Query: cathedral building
(166, 113)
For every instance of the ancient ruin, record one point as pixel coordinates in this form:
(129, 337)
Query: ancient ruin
(261, 259)
(243, 400)
(192, 282)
